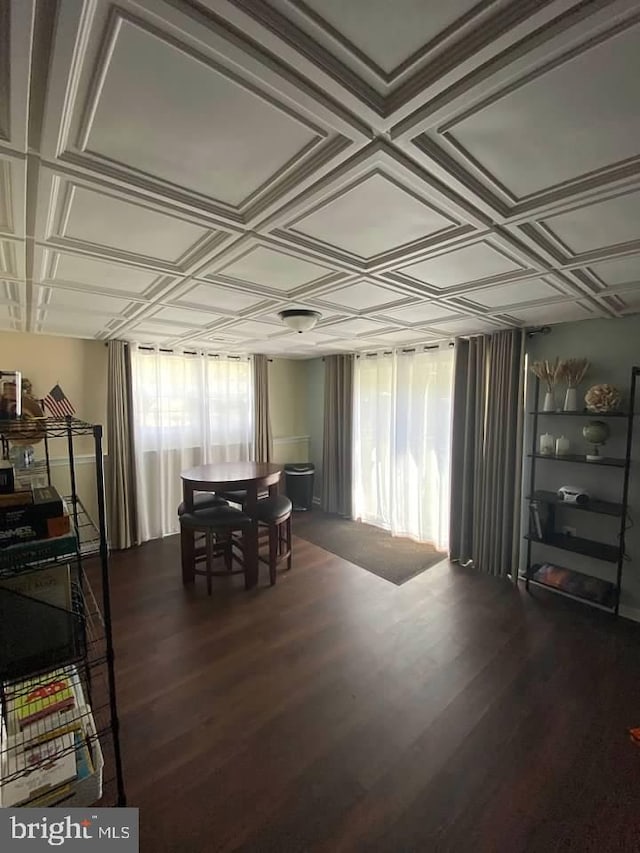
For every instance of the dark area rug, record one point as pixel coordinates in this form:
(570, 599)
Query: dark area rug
(393, 558)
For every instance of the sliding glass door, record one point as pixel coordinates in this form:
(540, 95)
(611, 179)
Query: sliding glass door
(402, 442)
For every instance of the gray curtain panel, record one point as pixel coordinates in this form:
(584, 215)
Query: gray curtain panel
(486, 470)
(121, 494)
(263, 442)
(337, 451)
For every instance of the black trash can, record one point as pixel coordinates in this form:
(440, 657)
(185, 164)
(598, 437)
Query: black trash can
(299, 484)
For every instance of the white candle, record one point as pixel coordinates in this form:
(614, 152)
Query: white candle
(546, 444)
(562, 446)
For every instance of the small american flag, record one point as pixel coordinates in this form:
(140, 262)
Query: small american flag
(57, 403)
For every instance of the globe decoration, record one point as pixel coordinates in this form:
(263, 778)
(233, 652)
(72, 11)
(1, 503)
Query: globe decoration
(603, 398)
(595, 433)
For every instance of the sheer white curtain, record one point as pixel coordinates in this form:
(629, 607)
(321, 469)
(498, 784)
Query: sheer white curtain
(402, 443)
(187, 410)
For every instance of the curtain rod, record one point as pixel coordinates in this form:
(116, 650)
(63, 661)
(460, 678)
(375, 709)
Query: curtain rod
(194, 352)
(190, 352)
(404, 349)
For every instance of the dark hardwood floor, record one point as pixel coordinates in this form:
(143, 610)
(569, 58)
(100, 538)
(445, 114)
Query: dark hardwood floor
(337, 712)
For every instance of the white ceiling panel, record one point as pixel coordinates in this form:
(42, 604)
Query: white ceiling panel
(273, 269)
(78, 300)
(361, 296)
(404, 336)
(108, 222)
(598, 225)
(358, 326)
(466, 265)
(11, 255)
(16, 33)
(388, 38)
(420, 312)
(236, 141)
(542, 133)
(371, 217)
(62, 267)
(12, 196)
(251, 329)
(185, 317)
(530, 290)
(374, 207)
(78, 324)
(8, 320)
(218, 298)
(564, 313)
(620, 271)
(469, 326)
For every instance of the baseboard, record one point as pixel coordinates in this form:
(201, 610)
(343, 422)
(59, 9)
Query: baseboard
(632, 613)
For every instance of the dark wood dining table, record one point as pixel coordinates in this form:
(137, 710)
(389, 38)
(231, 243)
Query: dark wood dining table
(226, 477)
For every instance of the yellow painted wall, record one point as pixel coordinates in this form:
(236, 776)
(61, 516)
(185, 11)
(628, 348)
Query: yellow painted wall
(288, 410)
(80, 368)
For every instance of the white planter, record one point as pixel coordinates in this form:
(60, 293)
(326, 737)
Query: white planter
(571, 400)
(549, 404)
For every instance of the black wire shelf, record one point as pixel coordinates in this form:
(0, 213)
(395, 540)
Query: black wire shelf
(607, 608)
(33, 429)
(600, 507)
(543, 504)
(573, 457)
(578, 545)
(88, 657)
(582, 414)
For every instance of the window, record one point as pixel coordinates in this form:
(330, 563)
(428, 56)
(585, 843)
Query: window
(188, 410)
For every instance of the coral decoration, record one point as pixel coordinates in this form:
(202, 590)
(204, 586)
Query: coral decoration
(603, 398)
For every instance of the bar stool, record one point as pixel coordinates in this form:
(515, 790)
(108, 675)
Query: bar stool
(274, 514)
(217, 523)
(239, 496)
(203, 500)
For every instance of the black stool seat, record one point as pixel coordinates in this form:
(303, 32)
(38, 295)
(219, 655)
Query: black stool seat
(203, 500)
(271, 509)
(215, 518)
(239, 496)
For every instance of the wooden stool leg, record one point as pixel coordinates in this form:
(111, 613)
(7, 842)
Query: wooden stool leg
(273, 552)
(209, 538)
(288, 541)
(228, 551)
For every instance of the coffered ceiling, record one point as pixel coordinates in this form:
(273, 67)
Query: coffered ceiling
(175, 173)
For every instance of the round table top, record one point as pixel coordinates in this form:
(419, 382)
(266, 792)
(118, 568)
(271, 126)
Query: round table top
(233, 474)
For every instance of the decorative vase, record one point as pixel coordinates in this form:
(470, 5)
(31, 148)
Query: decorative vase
(571, 400)
(546, 444)
(549, 404)
(562, 446)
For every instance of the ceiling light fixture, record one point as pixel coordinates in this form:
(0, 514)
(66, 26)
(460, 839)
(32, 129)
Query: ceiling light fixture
(299, 319)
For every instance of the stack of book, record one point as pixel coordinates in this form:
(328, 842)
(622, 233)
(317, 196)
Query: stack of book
(45, 740)
(30, 514)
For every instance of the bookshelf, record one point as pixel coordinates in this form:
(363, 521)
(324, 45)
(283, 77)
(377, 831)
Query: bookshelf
(543, 538)
(59, 648)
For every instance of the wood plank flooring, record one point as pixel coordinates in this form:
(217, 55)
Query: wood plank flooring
(337, 712)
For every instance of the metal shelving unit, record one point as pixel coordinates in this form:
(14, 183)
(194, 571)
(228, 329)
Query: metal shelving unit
(601, 594)
(88, 659)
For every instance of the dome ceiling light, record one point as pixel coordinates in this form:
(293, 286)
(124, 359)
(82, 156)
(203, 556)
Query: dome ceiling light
(299, 319)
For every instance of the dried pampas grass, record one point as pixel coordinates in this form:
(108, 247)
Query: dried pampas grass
(547, 372)
(573, 370)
